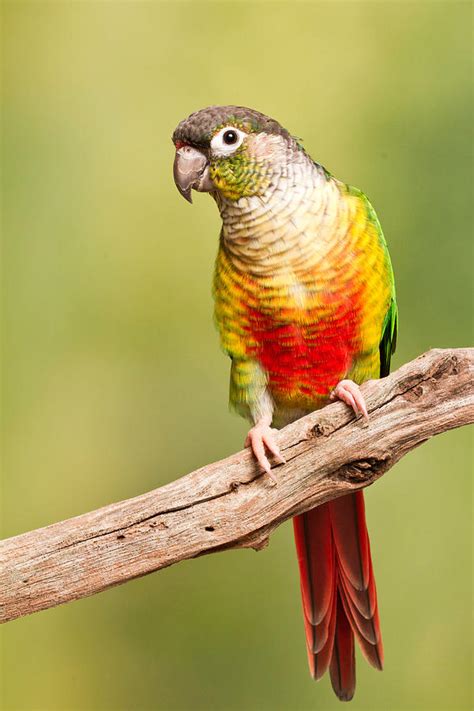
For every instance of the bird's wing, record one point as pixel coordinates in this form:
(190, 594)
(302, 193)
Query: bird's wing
(388, 342)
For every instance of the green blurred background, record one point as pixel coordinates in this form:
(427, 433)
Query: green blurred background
(113, 379)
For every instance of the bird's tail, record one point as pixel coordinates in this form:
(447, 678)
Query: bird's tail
(338, 590)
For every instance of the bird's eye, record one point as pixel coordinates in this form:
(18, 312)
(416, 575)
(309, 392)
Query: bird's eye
(230, 137)
(227, 140)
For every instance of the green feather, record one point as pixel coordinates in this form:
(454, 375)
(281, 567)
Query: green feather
(388, 341)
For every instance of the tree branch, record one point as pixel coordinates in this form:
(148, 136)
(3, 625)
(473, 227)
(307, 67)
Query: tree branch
(229, 504)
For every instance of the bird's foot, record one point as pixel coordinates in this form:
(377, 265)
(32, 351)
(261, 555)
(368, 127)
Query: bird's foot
(260, 438)
(349, 392)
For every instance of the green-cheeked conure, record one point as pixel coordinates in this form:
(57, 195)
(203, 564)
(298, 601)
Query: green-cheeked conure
(305, 306)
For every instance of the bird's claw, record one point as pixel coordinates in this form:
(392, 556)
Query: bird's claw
(260, 438)
(350, 393)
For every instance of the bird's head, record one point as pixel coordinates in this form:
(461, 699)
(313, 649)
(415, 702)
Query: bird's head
(230, 151)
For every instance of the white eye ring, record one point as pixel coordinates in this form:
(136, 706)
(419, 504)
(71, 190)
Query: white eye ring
(227, 140)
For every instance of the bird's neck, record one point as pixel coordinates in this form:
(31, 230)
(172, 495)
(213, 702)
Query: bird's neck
(266, 234)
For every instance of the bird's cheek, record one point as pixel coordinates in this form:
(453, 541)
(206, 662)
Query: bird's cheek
(216, 177)
(225, 182)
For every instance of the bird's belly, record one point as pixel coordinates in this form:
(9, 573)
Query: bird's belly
(304, 359)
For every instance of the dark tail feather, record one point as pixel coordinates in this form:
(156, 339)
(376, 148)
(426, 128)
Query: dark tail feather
(338, 590)
(342, 667)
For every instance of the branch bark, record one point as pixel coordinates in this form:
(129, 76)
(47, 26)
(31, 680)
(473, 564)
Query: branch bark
(229, 504)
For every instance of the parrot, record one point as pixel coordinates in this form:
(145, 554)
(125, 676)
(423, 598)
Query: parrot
(305, 306)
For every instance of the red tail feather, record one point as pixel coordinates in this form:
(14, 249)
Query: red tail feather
(338, 590)
(342, 667)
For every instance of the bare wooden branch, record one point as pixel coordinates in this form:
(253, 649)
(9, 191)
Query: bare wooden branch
(229, 503)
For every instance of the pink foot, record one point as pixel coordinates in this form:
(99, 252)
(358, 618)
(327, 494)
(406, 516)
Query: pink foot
(262, 437)
(349, 392)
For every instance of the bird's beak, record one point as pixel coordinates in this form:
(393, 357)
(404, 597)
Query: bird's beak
(191, 171)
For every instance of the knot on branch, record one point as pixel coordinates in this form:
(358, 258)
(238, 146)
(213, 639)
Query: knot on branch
(446, 366)
(321, 430)
(412, 386)
(363, 470)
